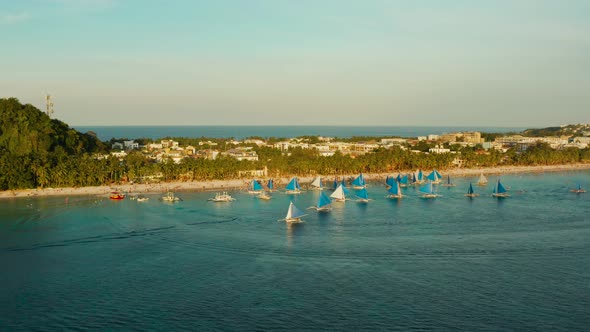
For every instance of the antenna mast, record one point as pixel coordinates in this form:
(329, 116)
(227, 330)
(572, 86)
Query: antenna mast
(48, 105)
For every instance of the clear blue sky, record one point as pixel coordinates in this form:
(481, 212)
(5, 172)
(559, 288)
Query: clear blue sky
(323, 62)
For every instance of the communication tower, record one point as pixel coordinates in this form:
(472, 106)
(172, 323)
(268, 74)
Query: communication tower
(48, 105)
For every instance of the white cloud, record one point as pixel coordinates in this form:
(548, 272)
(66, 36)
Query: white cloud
(13, 18)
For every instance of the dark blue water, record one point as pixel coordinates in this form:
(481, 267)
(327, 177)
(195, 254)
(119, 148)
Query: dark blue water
(516, 264)
(240, 132)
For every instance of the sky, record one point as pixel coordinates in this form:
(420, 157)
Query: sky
(508, 63)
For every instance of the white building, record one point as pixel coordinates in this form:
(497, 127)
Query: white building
(439, 149)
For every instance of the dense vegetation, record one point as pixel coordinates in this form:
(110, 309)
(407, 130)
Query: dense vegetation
(37, 152)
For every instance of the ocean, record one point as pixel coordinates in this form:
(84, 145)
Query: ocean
(240, 132)
(450, 263)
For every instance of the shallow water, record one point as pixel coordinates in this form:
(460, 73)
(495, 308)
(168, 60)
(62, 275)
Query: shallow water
(520, 263)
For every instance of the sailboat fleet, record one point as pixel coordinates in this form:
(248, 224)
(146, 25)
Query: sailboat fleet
(394, 185)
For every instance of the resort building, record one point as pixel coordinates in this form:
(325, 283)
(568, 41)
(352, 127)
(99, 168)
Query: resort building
(241, 154)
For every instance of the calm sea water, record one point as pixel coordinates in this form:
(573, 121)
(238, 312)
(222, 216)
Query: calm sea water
(240, 132)
(516, 264)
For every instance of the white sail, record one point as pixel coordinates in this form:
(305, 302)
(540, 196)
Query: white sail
(482, 179)
(293, 213)
(317, 182)
(338, 194)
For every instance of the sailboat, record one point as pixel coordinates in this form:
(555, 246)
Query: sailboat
(389, 181)
(335, 184)
(317, 183)
(324, 203)
(470, 192)
(293, 187)
(343, 183)
(427, 191)
(222, 197)
(270, 185)
(264, 196)
(359, 182)
(403, 182)
(482, 181)
(395, 191)
(170, 197)
(418, 178)
(362, 195)
(293, 214)
(499, 190)
(434, 177)
(338, 194)
(448, 183)
(578, 189)
(255, 187)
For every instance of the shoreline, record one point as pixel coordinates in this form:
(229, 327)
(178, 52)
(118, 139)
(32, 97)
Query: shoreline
(238, 184)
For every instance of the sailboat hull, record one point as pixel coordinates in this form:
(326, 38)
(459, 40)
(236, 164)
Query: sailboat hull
(293, 220)
(429, 195)
(471, 195)
(293, 192)
(502, 195)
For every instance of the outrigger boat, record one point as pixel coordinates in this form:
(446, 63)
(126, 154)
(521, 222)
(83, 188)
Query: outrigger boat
(470, 192)
(427, 191)
(324, 203)
(255, 187)
(169, 197)
(222, 197)
(395, 191)
(578, 189)
(317, 184)
(482, 181)
(117, 196)
(499, 190)
(359, 182)
(293, 187)
(264, 196)
(293, 214)
(339, 195)
(449, 183)
(362, 196)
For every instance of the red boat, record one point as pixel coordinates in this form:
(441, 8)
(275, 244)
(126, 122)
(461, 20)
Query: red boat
(117, 196)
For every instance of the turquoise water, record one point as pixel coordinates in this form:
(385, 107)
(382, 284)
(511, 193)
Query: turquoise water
(520, 263)
(241, 132)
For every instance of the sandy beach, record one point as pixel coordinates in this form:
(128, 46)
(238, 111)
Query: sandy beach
(239, 184)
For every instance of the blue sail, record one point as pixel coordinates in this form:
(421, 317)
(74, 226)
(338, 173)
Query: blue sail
(343, 183)
(256, 185)
(324, 200)
(449, 179)
(404, 180)
(390, 181)
(270, 184)
(399, 178)
(394, 190)
(362, 194)
(293, 185)
(414, 177)
(359, 181)
(432, 176)
(499, 188)
(427, 188)
(470, 190)
(335, 184)
(579, 186)
(420, 175)
(297, 184)
(438, 174)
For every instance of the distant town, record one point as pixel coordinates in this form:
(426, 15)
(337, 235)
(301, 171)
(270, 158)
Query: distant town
(569, 136)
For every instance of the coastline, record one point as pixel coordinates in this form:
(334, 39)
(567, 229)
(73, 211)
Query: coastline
(237, 184)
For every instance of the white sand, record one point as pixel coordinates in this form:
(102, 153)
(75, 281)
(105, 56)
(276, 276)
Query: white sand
(236, 184)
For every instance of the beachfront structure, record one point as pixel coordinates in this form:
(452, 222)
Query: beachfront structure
(438, 149)
(130, 145)
(554, 142)
(241, 154)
